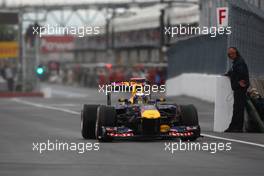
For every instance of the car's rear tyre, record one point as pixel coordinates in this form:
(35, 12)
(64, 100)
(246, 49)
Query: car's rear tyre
(106, 117)
(190, 118)
(88, 120)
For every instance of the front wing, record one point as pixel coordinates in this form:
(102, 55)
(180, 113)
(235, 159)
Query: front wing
(174, 132)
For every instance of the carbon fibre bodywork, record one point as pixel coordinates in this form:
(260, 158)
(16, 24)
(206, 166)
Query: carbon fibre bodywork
(131, 123)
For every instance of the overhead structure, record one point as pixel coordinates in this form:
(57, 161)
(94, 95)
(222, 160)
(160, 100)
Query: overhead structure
(31, 6)
(62, 11)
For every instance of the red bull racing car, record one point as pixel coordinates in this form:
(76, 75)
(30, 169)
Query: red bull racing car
(139, 117)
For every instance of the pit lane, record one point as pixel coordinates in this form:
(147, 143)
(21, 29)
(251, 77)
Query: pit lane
(58, 118)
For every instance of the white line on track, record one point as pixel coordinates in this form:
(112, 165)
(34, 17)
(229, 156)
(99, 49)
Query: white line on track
(233, 140)
(66, 105)
(68, 94)
(45, 106)
(78, 113)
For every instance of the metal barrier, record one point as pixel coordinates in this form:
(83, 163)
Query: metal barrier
(258, 84)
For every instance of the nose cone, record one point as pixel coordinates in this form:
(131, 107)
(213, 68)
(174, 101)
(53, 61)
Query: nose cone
(150, 114)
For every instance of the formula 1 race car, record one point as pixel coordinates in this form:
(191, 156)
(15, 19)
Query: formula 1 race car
(139, 117)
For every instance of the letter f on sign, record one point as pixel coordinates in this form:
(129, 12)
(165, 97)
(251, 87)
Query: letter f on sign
(222, 16)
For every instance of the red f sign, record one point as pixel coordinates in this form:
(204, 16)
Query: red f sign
(222, 16)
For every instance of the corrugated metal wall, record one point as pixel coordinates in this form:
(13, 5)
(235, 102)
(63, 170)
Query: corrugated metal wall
(204, 54)
(208, 8)
(247, 24)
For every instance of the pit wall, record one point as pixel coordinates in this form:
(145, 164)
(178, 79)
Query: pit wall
(211, 88)
(201, 86)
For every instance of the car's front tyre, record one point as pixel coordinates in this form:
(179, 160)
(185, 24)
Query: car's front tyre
(106, 117)
(190, 118)
(88, 120)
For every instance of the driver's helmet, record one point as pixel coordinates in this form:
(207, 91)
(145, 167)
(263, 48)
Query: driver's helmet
(140, 98)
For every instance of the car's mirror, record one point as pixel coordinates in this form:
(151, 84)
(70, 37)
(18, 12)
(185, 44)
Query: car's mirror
(160, 99)
(122, 100)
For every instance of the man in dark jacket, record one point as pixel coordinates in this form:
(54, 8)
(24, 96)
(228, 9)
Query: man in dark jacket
(239, 78)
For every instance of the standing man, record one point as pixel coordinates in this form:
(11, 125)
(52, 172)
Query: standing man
(9, 76)
(239, 78)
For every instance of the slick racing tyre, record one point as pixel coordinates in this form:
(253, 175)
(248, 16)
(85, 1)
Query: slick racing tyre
(190, 118)
(106, 117)
(88, 120)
